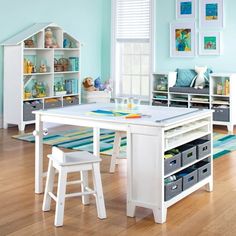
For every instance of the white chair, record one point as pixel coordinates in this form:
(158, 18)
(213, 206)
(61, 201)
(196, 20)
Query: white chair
(66, 163)
(116, 150)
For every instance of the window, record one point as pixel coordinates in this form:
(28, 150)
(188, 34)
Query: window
(132, 31)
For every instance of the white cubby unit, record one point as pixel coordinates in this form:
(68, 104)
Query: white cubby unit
(219, 96)
(40, 72)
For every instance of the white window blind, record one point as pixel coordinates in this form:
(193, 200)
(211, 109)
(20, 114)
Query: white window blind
(133, 19)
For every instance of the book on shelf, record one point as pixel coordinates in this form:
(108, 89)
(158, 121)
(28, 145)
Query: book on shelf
(200, 99)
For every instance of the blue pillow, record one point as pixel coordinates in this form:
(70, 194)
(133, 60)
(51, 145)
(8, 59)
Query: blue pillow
(185, 77)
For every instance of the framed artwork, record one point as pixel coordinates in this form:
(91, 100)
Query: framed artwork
(211, 14)
(185, 8)
(209, 43)
(182, 39)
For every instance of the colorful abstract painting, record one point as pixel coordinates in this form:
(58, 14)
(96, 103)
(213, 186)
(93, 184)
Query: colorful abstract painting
(186, 8)
(183, 40)
(211, 11)
(210, 43)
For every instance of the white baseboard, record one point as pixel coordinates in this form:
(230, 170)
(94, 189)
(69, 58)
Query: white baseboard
(1, 121)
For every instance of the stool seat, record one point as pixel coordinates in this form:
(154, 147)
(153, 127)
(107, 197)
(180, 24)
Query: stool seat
(73, 158)
(71, 162)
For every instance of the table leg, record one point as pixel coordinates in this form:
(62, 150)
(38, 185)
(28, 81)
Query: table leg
(160, 214)
(38, 155)
(96, 141)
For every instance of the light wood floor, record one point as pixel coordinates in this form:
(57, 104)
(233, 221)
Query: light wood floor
(201, 213)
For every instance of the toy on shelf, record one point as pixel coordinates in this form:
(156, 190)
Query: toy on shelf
(59, 88)
(227, 87)
(219, 88)
(200, 79)
(50, 41)
(39, 90)
(162, 85)
(43, 68)
(88, 84)
(61, 64)
(27, 94)
(98, 84)
(108, 86)
(29, 43)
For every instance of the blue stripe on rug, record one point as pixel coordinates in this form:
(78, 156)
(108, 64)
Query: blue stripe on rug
(221, 153)
(226, 138)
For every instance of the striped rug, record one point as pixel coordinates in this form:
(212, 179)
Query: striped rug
(82, 139)
(77, 139)
(223, 144)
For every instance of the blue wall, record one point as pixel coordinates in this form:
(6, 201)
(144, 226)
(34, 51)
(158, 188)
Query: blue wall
(106, 40)
(80, 18)
(165, 11)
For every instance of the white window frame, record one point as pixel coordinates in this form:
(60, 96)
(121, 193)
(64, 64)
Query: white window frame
(113, 47)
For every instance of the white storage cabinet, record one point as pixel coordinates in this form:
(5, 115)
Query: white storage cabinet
(222, 102)
(36, 77)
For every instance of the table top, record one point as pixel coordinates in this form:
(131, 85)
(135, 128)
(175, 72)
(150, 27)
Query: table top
(151, 115)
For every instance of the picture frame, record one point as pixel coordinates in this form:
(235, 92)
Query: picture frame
(210, 43)
(211, 14)
(182, 39)
(185, 9)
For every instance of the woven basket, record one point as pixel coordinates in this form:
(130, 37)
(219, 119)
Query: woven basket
(61, 64)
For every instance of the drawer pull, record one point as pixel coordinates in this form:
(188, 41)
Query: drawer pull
(174, 187)
(190, 154)
(190, 179)
(173, 163)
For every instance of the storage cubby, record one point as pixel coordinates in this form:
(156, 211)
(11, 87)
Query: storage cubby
(219, 96)
(187, 165)
(35, 41)
(29, 107)
(65, 84)
(70, 100)
(43, 55)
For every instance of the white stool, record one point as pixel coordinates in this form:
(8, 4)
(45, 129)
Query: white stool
(67, 163)
(116, 150)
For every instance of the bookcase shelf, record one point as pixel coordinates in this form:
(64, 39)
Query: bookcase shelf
(41, 72)
(220, 97)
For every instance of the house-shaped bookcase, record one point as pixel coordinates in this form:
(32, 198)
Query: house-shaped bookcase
(41, 71)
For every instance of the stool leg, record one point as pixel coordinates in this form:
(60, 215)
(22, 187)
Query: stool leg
(84, 184)
(48, 186)
(61, 191)
(99, 193)
(116, 151)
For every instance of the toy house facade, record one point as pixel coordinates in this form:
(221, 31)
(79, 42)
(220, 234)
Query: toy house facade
(41, 71)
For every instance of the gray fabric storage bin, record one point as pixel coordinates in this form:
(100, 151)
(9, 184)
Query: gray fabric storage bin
(173, 163)
(221, 114)
(203, 147)
(28, 108)
(173, 189)
(72, 101)
(190, 178)
(203, 168)
(48, 105)
(204, 171)
(188, 154)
